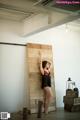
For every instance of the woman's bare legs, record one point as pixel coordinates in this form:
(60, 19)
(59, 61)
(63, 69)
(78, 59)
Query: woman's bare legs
(44, 99)
(47, 98)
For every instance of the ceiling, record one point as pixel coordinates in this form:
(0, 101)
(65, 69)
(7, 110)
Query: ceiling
(20, 9)
(41, 14)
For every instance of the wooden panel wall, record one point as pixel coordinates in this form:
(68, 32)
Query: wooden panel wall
(34, 76)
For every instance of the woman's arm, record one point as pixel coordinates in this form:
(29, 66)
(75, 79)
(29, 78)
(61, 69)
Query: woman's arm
(49, 70)
(41, 68)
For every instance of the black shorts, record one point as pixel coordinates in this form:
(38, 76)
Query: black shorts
(46, 81)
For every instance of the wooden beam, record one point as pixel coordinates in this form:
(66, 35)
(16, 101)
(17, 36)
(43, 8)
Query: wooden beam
(5, 43)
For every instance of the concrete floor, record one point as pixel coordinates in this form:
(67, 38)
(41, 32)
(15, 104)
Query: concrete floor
(57, 115)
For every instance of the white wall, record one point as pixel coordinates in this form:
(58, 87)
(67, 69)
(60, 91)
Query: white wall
(12, 77)
(66, 58)
(12, 68)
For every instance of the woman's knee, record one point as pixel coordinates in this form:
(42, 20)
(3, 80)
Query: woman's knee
(50, 94)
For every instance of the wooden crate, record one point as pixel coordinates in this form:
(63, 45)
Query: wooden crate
(77, 101)
(34, 76)
(71, 93)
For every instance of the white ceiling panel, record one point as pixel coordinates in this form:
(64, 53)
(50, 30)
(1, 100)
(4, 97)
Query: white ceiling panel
(13, 14)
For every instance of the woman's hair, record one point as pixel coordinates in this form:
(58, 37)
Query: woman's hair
(44, 63)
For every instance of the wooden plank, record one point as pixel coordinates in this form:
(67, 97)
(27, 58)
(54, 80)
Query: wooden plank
(46, 54)
(39, 46)
(34, 76)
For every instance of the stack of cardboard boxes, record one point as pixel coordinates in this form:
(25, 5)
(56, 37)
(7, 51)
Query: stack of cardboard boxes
(72, 100)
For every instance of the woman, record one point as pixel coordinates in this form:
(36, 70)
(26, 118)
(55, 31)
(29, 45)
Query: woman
(46, 83)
